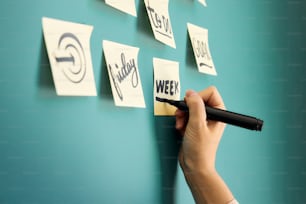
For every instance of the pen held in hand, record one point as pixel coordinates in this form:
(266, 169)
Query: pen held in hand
(225, 116)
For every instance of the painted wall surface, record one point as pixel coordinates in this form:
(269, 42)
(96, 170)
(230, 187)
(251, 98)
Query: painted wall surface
(86, 150)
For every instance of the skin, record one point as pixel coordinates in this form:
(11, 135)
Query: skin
(200, 143)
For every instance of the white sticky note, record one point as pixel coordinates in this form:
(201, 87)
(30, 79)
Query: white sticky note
(160, 21)
(199, 41)
(127, 6)
(166, 85)
(203, 2)
(122, 67)
(68, 46)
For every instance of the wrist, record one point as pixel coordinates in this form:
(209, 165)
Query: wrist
(208, 187)
(193, 175)
(197, 165)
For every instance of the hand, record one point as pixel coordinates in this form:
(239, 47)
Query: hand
(201, 137)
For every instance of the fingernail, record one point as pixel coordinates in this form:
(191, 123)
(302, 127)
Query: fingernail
(190, 93)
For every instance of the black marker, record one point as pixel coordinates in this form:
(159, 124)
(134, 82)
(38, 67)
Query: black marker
(221, 115)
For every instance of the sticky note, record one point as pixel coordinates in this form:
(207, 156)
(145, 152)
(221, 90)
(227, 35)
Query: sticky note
(203, 2)
(127, 6)
(160, 21)
(166, 85)
(122, 67)
(199, 41)
(68, 47)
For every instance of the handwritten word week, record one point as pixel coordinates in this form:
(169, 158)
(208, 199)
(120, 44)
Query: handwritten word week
(160, 22)
(121, 72)
(167, 87)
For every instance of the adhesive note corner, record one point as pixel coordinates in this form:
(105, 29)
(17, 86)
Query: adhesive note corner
(203, 2)
(127, 6)
(122, 67)
(166, 85)
(199, 41)
(158, 14)
(68, 47)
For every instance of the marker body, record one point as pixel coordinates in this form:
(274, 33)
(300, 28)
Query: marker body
(232, 118)
(225, 116)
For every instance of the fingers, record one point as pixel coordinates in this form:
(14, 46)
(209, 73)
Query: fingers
(180, 120)
(196, 109)
(212, 97)
(195, 102)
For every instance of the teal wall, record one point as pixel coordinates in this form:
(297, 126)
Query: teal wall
(57, 150)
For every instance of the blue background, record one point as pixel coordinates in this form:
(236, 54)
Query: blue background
(86, 150)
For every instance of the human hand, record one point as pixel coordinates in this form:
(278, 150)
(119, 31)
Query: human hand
(201, 137)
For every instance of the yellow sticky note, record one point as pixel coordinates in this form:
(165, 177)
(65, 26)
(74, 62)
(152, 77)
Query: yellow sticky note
(166, 85)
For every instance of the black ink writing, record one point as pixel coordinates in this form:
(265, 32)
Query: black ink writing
(126, 69)
(201, 51)
(160, 22)
(167, 87)
(120, 74)
(117, 87)
(74, 62)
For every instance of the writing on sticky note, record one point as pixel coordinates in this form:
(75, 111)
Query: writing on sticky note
(68, 46)
(127, 6)
(166, 85)
(199, 41)
(160, 21)
(123, 73)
